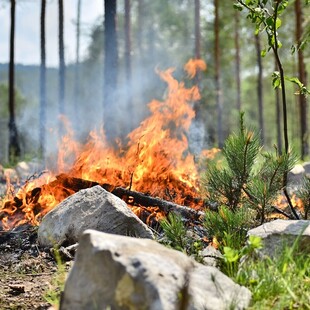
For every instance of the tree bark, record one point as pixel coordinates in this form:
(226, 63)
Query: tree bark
(127, 30)
(278, 116)
(42, 81)
(110, 69)
(14, 147)
(218, 90)
(260, 89)
(197, 30)
(61, 94)
(77, 64)
(302, 75)
(237, 59)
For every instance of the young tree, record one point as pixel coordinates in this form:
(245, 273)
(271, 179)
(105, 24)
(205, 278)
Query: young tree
(303, 79)
(14, 147)
(42, 118)
(110, 68)
(218, 89)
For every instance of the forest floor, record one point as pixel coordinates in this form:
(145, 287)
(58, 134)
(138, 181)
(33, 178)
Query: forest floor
(27, 272)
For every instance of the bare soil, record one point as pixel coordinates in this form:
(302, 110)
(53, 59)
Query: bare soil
(27, 272)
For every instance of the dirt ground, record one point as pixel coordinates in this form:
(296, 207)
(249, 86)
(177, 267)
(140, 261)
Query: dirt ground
(27, 273)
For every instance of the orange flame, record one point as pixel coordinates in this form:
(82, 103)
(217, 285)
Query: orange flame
(155, 160)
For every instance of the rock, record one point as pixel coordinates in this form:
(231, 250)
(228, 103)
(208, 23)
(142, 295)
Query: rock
(11, 175)
(23, 170)
(28, 169)
(211, 256)
(306, 167)
(279, 232)
(296, 175)
(92, 208)
(118, 272)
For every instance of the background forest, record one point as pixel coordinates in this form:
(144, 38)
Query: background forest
(117, 77)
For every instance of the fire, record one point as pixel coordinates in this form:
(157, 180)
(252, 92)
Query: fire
(155, 160)
(282, 203)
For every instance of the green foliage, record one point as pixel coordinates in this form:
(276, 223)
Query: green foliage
(277, 283)
(224, 184)
(174, 231)
(52, 294)
(228, 227)
(176, 236)
(302, 89)
(242, 180)
(265, 15)
(233, 256)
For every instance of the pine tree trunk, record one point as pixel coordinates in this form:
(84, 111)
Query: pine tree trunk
(14, 148)
(110, 69)
(77, 64)
(237, 59)
(303, 79)
(42, 81)
(218, 90)
(260, 89)
(61, 94)
(197, 44)
(127, 30)
(197, 30)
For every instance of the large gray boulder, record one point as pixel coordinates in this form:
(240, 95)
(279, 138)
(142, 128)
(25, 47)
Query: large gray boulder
(118, 272)
(92, 208)
(278, 233)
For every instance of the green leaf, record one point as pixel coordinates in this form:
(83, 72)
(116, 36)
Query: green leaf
(238, 6)
(276, 82)
(296, 81)
(263, 52)
(270, 22)
(255, 242)
(278, 23)
(230, 254)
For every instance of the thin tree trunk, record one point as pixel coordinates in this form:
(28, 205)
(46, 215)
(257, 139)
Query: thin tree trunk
(14, 148)
(110, 69)
(197, 30)
(218, 90)
(140, 26)
(139, 59)
(278, 116)
(197, 44)
(237, 59)
(260, 89)
(77, 64)
(127, 30)
(42, 81)
(61, 99)
(302, 75)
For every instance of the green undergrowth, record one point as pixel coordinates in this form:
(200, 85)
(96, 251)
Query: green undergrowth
(52, 294)
(282, 282)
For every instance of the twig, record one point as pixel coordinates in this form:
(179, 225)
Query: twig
(164, 205)
(282, 212)
(290, 204)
